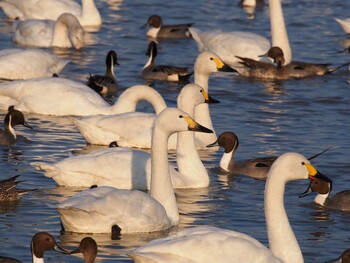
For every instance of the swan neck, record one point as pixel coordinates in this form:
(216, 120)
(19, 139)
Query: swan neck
(128, 100)
(283, 243)
(60, 34)
(321, 199)
(201, 80)
(278, 30)
(161, 186)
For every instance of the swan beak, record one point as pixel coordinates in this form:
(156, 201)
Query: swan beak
(213, 144)
(61, 250)
(194, 126)
(207, 98)
(221, 66)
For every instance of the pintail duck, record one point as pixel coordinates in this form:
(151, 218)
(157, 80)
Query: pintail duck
(8, 190)
(256, 168)
(41, 242)
(323, 188)
(106, 84)
(88, 247)
(159, 30)
(295, 69)
(13, 117)
(344, 258)
(150, 71)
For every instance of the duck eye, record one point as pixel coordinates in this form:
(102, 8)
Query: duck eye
(181, 116)
(303, 163)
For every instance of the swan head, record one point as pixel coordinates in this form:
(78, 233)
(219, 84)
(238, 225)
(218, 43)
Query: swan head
(228, 140)
(207, 63)
(76, 36)
(293, 166)
(154, 21)
(173, 120)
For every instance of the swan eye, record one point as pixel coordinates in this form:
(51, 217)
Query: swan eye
(303, 163)
(211, 58)
(181, 116)
(201, 91)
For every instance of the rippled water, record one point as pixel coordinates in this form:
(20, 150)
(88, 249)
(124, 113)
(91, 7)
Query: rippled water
(305, 116)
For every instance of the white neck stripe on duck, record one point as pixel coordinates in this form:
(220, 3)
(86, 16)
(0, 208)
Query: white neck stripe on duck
(11, 129)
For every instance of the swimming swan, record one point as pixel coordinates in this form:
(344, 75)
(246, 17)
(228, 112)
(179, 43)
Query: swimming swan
(105, 129)
(65, 32)
(323, 187)
(159, 30)
(191, 245)
(64, 97)
(90, 211)
(131, 169)
(86, 13)
(14, 64)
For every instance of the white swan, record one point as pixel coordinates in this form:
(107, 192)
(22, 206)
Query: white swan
(191, 245)
(131, 169)
(64, 97)
(105, 129)
(65, 32)
(86, 13)
(101, 209)
(344, 23)
(14, 64)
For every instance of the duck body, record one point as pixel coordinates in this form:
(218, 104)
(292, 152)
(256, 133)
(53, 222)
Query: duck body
(90, 211)
(14, 64)
(151, 71)
(228, 45)
(105, 84)
(159, 30)
(191, 245)
(131, 169)
(135, 130)
(87, 13)
(9, 192)
(64, 97)
(65, 32)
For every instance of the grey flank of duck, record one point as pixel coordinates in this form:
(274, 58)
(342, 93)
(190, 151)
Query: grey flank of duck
(159, 30)
(323, 187)
(13, 117)
(41, 242)
(150, 71)
(107, 83)
(8, 190)
(88, 247)
(344, 258)
(256, 168)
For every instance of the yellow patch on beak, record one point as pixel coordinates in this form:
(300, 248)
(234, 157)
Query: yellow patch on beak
(312, 170)
(218, 62)
(205, 95)
(191, 123)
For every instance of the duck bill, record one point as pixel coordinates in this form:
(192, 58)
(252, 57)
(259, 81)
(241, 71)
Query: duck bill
(61, 250)
(76, 251)
(213, 144)
(307, 192)
(263, 55)
(142, 27)
(194, 126)
(25, 124)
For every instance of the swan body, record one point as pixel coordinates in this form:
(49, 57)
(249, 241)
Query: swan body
(345, 24)
(228, 45)
(105, 84)
(151, 71)
(90, 211)
(64, 97)
(159, 30)
(87, 13)
(131, 169)
(105, 129)
(14, 64)
(65, 32)
(191, 245)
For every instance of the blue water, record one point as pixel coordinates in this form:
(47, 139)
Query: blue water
(269, 118)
